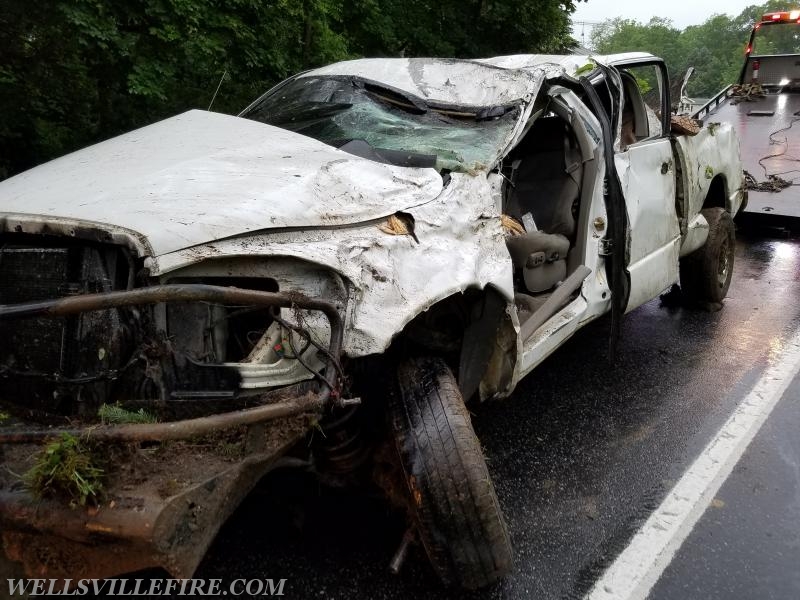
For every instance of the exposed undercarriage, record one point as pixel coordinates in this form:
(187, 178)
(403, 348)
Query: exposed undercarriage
(185, 392)
(88, 337)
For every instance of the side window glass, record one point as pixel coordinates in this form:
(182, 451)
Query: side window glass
(641, 113)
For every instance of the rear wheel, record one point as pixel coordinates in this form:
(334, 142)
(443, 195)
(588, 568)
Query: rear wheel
(455, 508)
(706, 272)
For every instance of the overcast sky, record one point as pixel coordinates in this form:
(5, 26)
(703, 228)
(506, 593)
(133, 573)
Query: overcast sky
(682, 12)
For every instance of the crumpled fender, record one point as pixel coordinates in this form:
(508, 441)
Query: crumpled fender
(393, 278)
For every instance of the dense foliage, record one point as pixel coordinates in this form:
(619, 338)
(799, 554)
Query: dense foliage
(715, 48)
(76, 71)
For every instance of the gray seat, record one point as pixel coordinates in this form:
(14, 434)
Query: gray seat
(546, 177)
(541, 257)
(545, 181)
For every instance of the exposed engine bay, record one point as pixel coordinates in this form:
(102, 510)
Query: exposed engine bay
(196, 354)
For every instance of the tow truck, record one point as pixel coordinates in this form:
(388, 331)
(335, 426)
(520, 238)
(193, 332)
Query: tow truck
(764, 108)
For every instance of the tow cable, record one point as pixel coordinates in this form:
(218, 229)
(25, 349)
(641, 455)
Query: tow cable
(773, 183)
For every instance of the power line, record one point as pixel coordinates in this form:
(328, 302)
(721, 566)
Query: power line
(583, 25)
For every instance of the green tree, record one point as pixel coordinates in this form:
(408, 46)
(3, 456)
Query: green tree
(463, 28)
(658, 36)
(73, 72)
(715, 48)
(76, 71)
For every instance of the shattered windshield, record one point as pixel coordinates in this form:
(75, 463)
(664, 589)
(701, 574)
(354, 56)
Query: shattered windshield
(342, 110)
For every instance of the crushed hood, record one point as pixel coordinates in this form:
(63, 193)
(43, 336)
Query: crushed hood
(466, 83)
(202, 176)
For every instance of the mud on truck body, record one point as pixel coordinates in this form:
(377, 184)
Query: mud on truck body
(321, 283)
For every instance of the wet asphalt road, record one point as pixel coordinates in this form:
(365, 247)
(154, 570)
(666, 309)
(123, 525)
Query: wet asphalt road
(580, 455)
(747, 545)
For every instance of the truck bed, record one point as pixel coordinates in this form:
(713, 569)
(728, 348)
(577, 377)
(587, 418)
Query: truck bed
(754, 132)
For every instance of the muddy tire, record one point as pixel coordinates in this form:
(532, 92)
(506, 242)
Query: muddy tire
(706, 272)
(454, 505)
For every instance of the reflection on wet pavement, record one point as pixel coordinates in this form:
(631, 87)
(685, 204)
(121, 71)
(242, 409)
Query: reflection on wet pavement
(580, 454)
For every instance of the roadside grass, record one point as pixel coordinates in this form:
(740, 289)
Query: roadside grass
(114, 414)
(67, 468)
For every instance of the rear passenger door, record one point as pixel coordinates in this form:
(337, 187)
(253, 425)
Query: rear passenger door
(646, 170)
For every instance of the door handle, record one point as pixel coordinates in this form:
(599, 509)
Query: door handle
(665, 167)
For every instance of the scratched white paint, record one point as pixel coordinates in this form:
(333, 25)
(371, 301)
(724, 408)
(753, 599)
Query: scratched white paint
(202, 176)
(203, 186)
(712, 152)
(567, 64)
(654, 230)
(461, 82)
(638, 567)
(392, 278)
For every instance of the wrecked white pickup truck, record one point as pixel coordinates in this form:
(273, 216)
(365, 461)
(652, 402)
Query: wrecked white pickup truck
(364, 248)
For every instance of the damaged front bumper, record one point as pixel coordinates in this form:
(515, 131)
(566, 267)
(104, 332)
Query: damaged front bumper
(162, 508)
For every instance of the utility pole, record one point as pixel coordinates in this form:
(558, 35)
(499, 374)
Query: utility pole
(583, 25)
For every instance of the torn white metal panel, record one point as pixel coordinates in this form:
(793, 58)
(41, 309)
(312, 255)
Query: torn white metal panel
(558, 64)
(696, 235)
(450, 81)
(552, 64)
(391, 277)
(202, 176)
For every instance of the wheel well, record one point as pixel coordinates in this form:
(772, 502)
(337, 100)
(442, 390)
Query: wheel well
(717, 196)
(461, 329)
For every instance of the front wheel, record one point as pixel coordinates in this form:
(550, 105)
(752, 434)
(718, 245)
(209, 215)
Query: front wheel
(706, 272)
(454, 505)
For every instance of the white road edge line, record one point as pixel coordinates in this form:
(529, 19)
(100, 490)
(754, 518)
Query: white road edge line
(634, 572)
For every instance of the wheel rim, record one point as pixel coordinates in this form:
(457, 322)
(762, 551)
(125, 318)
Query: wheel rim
(723, 268)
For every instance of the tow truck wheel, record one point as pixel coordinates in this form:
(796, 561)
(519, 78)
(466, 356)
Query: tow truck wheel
(706, 272)
(454, 505)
